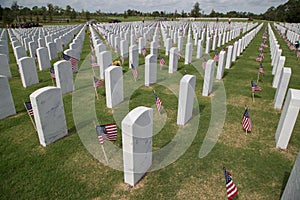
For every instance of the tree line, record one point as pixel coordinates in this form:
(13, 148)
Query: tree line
(287, 12)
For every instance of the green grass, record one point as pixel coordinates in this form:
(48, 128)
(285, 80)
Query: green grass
(65, 169)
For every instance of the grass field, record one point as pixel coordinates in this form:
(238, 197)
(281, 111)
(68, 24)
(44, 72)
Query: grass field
(66, 170)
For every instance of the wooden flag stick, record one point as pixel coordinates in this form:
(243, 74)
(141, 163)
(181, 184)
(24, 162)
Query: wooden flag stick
(96, 92)
(34, 126)
(252, 96)
(93, 70)
(257, 76)
(104, 154)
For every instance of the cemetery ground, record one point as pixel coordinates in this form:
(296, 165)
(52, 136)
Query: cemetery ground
(66, 170)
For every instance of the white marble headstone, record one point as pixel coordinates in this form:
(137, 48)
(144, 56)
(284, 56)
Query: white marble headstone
(114, 86)
(150, 69)
(208, 78)
(137, 128)
(28, 71)
(133, 56)
(186, 99)
(188, 53)
(64, 76)
(104, 60)
(287, 119)
(7, 107)
(43, 58)
(283, 84)
(4, 66)
(229, 57)
(221, 65)
(173, 60)
(49, 114)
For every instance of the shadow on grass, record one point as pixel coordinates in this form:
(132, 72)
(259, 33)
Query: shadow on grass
(284, 182)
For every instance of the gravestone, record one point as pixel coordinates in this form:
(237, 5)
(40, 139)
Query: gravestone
(4, 66)
(141, 44)
(282, 87)
(221, 65)
(150, 69)
(186, 99)
(292, 188)
(279, 67)
(64, 76)
(229, 57)
(52, 50)
(287, 119)
(137, 128)
(32, 49)
(168, 46)
(277, 58)
(153, 48)
(199, 49)
(104, 60)
(28, 71)
(124, 48)
(173, 60)
(41, 42)
(58, 43)
(239, 50)
(214, 42)
(100, 48)
(49, 114)
(207, 47)
(133, 56)
(43, 58)
(114, 86)
(234, 53)
(180, 43)
(188, 53)
(7, 107)
(20, 52)
(208, 78)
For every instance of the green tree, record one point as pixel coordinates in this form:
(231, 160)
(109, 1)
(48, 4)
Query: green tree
(50, 11)
(195, 12)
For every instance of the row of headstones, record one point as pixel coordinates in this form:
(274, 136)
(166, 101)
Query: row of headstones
(292, 26)
(53, 46)
(281, 81)
(75, 47)
(281, 74)
(232, 53)
(291, 35)
(64, 81)
(135, 166)
(290, 109)
(41, 36)
(27, 68)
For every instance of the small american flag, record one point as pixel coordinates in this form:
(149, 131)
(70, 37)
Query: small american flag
(52, 72)
(73, 60)
(204, 64)
(261, 69)
(162, 62)
(28, 107)
(246, 121)
(144, 51)
(179, 56)
(134, 71)
(107, 132)
(230, 186)
(98, 82)
(255, 87)
(157, 102)
(216, 57)
(259, 59)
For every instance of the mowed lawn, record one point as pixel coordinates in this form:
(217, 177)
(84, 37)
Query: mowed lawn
(66, 170)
